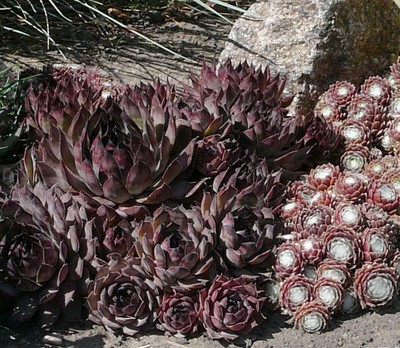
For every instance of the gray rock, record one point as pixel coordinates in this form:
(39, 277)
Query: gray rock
(317, 42)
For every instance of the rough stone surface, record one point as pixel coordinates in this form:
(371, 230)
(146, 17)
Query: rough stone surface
(317, 42)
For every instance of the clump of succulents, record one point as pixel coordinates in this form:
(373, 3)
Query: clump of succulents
(141, 208)
(47, 245)
(342, 220)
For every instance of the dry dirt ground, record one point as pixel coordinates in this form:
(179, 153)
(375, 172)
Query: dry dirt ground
(129, 60)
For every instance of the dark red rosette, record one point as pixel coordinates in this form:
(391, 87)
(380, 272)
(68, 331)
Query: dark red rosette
(122, 297)
(313, 221)
(231, 307)
(178, 313)
(340, 93)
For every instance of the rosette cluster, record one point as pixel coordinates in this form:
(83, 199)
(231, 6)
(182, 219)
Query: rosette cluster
(340, 253)
(140, 208)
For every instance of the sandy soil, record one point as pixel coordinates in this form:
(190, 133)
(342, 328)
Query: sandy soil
(129, 60)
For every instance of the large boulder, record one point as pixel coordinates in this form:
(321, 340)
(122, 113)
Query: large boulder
(317, 42)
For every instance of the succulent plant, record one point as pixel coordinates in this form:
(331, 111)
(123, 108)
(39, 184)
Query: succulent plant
(351, 186)
(355, 132)
(116, 236)
(375, 284)
(340, 93)
(177, 248)
(47, 248)
(375, 216)
(294, 292)
(329, 110)
(178, 313)
(103, 154)
(215, 154)
(349, 215)
(378, 88)
(231, 307)
(354, 158)
(247, 104)
(376, 244)
(122, 297)
(383, 195)
(341, 244)
(60, 94)
(329, 293)
(313, 221)
(394, 107)
(311, 249)
(374, 169)
(312, 317)
(323, 177)
(288, 260)
(332, 269)
(271, 288)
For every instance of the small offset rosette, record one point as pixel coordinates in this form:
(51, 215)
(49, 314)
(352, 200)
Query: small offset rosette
(288, 260)
(355, 132)
(375, 284)
(340, 93)
(375, 217)
(378, 88)
(376, 245)
(375, 169)
(354, 158)
(383, 195)
(313, 221)
(295, 291)
(349, 215)
(341, 244)
(311, 249)
(323, 177)
(332, 269)
(351, 186)
(329, 293)
(312, 317)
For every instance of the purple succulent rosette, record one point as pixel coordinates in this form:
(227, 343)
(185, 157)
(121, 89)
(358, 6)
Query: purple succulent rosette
(122, 297)
(177, 248)
(101, 150)
(178, 313)
(231, 307)
(47, 246)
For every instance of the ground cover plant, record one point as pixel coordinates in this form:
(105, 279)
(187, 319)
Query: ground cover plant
(141, 208)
